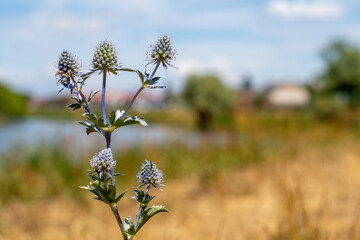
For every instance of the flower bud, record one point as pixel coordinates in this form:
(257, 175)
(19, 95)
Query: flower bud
(105, 56)
(67, 65)
(162, 51)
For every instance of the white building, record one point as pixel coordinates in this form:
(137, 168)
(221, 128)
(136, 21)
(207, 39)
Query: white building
(288, 96)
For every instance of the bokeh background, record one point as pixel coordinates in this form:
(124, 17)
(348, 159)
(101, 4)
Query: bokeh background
(257, 133)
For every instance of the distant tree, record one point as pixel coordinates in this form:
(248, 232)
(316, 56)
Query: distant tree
(11, 103)
(342, 72)
(210, 99)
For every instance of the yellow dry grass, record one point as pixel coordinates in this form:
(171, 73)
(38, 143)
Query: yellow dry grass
(313, 194)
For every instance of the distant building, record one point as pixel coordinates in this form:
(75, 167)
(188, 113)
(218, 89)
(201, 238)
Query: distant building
(288, 96)
(245, 98)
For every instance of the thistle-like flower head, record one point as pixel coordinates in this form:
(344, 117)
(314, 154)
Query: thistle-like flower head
(150, 175)
(162, 52)
(103, 162)
(105, 57)
(67, 66)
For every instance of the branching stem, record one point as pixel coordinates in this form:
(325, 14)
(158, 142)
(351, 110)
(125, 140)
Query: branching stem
(139, 91)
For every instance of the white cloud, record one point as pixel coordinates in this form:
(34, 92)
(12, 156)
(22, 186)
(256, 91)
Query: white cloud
(306, 9)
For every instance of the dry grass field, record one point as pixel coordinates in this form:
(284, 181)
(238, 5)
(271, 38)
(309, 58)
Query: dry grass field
(308, 192)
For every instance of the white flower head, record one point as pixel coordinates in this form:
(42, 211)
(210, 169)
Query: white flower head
(103, 162)
(150, 175)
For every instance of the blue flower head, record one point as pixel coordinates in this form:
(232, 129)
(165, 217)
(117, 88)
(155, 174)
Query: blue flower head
(150, 175)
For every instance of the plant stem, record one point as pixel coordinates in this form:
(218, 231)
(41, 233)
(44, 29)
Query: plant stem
(132, 100)
(155, 69)
(139, 91)
(118, 219)
(87, 107)
(103, 98)
(140, 209)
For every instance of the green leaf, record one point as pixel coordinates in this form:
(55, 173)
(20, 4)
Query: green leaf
(134, 120)
(90, 127)
(92, 94)
(90, 130)
(111, 193)
(152, 81)
(112, 118)
(74, 106)
(98, 122)
(129, 226)
(149, 213)
(119, 197)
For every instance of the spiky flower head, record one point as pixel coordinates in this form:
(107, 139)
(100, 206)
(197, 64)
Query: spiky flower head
(162, 51)
(150, 175)
(105, 57)
(103, 162)
(67, 66)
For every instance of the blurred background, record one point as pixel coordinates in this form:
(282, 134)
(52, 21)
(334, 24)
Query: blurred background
(257, 133)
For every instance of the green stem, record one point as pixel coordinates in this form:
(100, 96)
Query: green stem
(103, 98)
(118, 219)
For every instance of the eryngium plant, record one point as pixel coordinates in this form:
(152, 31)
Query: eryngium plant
(102, 173)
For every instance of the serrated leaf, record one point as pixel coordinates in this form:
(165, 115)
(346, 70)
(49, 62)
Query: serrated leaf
(119, 197)
(135, 120)
(152, 81)
(147, 214)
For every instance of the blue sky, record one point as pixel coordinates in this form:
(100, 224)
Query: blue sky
(273, 40)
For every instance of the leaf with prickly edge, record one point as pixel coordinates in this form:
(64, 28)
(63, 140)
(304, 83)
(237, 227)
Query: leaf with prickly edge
(90, 127)
(149, 213)
(120, 122)
(94, 191)
(116, 200)
(152, 81)
(134, 120)
(143, 198)
(74, 106)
